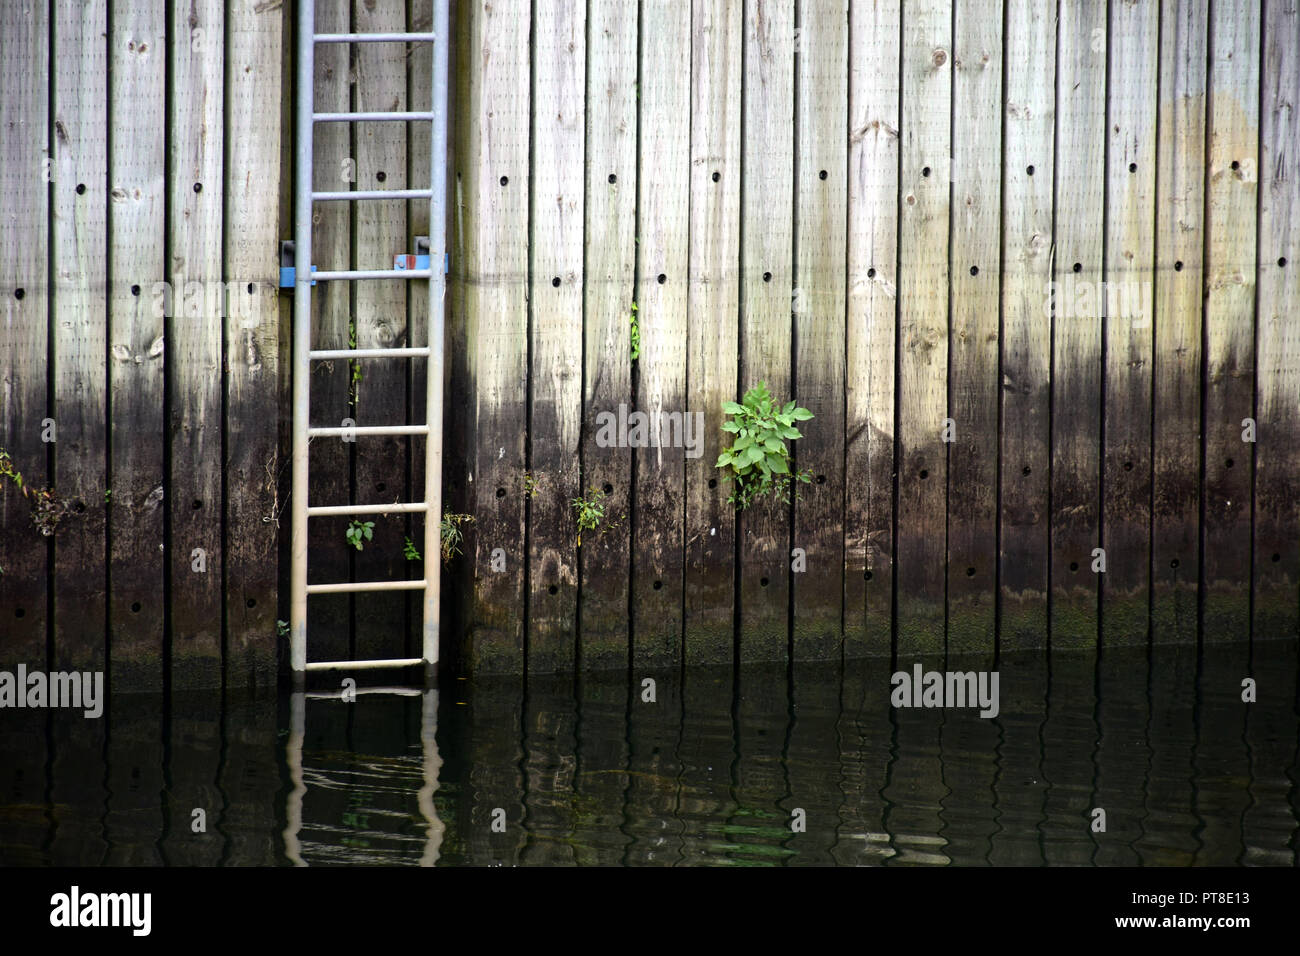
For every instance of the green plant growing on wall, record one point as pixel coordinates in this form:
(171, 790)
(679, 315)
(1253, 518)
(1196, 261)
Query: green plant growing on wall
(359, 531)
(589, 512)
(48, 507)
(450, 535)
(7, 470)
(409, 551)
(531, 485)
(636, 336)
(758, 462)
(282, 628)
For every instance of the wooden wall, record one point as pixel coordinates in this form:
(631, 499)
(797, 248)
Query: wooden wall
(140, 190)
(899, 213)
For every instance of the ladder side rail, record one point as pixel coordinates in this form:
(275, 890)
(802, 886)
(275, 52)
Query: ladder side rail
(434, 367)
(301, 331)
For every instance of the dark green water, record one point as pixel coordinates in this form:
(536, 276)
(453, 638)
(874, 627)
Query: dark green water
(710, 773)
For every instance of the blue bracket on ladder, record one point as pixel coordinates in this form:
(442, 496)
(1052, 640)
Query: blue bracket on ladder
(288, 271)
(421, 258)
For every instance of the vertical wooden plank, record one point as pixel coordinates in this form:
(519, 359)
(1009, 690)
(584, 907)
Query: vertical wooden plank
(1123, 763)
(821, 170)
(973, 338)
(252, 194)
(25, 168)
(194, 341)
(137, 359)
(81, 333)
(26, 829)
(923, 330)
(379, 625)
(492, 250)
(332, 392)
(133, 816)
(1269, 825)
(1020, 802)
(663, 191)
(707, 749)
(1128, 307)
(1176, 369)
(191, 767)
(601, 754)
(1233, 144)
(1168, 826)
(713, 307)
(1277, 453)
(1076, 327)
(76, 794)
(549, 741)
(249, 778)
(1070, 735)
(655, 769)
(870, 327)
(865, 734)
(767, 251)
(610, 208)
(555, 291)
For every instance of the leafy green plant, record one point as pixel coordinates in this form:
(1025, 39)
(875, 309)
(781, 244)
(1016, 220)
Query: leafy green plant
(636, 336)
(7, 470)
(450, 535)
(531, 485)
(758, 462)
(589, 512)
(359, 531)
(409, 550)
(282, 628)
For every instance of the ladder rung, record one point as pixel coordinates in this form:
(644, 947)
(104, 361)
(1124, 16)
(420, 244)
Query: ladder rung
(381, 116)
(347, 196)
(397, 507)
(363, 665)
(416, 352)
(373, 274)
(346, 587)
(358, 691)
(367, 430)
(375, 37)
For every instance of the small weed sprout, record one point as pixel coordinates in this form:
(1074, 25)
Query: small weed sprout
(48, 507)
(758, 462)
(353, 365)
(589, 511)
(282, 628)
(450, 535)
(409, 551)
(531, 485)
(359, 531)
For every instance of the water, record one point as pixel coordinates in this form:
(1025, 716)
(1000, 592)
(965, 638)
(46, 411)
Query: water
(711, 773)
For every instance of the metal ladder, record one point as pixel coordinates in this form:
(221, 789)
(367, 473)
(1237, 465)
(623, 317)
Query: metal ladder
(303, 355)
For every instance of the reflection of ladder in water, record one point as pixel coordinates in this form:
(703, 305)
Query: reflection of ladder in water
(303, 355)
(431, 763)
